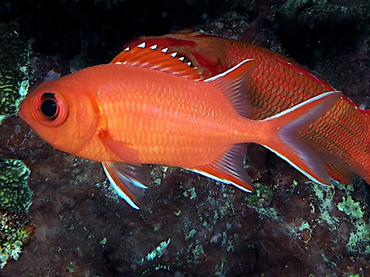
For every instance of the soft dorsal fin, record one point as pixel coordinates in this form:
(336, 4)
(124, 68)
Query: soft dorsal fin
(234, 84)
(161, 60)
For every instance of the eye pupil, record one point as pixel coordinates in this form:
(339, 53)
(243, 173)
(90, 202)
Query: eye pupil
(49, 108)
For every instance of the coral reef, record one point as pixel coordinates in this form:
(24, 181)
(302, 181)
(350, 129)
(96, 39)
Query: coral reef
(190, 225)
(15, 195)
(15, 231)
(13, 77)
(358, 241)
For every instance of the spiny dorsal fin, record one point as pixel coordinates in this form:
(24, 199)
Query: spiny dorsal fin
(151, 57)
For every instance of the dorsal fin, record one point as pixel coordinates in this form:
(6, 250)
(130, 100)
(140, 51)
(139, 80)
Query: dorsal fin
(151, 57)
(234, 83)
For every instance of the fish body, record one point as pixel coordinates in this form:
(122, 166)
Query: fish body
(159, 115)
(277, 83)
(147, 107)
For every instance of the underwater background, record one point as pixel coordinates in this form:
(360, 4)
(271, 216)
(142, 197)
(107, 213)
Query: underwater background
(59, 216)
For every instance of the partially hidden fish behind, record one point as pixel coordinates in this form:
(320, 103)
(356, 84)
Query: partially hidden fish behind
(147, 107)
(341, 137)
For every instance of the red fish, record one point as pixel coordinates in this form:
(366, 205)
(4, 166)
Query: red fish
(147, 107)
(277, 83)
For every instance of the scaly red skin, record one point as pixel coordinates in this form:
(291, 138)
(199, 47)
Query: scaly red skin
(278, 83)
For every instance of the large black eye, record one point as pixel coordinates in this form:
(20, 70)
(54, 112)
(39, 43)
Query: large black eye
(49, 106)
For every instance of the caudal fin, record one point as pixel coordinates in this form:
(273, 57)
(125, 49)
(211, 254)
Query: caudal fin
(287, 143)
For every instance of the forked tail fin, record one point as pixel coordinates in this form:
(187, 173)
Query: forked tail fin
(287, 144)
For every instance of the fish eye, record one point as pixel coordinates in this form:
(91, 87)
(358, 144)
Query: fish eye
(50, 109)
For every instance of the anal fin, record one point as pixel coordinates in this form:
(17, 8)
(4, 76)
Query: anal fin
(340, 173)
(229, 169)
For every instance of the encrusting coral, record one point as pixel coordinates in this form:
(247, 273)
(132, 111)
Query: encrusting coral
(13, 77)
(15, 195)
(15, 199)
(15, 231)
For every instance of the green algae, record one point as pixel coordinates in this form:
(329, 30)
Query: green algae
(198, 250)
(158, 251)
(325, 195)
(13, 235)
(259, 200)
(191, 234)
(191, 193)
(359, 239)
(261, 196)
(15, 195)
(197, 239)
(350, 207)
(14, 54)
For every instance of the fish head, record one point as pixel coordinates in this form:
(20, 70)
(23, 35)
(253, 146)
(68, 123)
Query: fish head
(61, 113)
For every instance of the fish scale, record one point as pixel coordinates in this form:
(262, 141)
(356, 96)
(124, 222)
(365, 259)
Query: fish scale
(340, 137)
(140, 107)
(347, 144)
(147, 107)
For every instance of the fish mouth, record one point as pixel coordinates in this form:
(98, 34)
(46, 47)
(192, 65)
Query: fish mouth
(21, 112)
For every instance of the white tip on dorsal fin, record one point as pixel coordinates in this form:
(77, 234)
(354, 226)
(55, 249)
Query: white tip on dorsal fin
(144, 55)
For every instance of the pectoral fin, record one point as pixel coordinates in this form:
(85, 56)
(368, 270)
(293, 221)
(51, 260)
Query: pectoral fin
(123, 150)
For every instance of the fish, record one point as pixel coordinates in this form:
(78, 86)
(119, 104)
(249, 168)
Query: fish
(278, 83)
(148, 107)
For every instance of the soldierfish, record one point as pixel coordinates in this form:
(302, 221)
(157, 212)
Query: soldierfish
(147, 107)
(277, 83)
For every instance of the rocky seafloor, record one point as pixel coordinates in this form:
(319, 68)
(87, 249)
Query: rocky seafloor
(190, 225)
